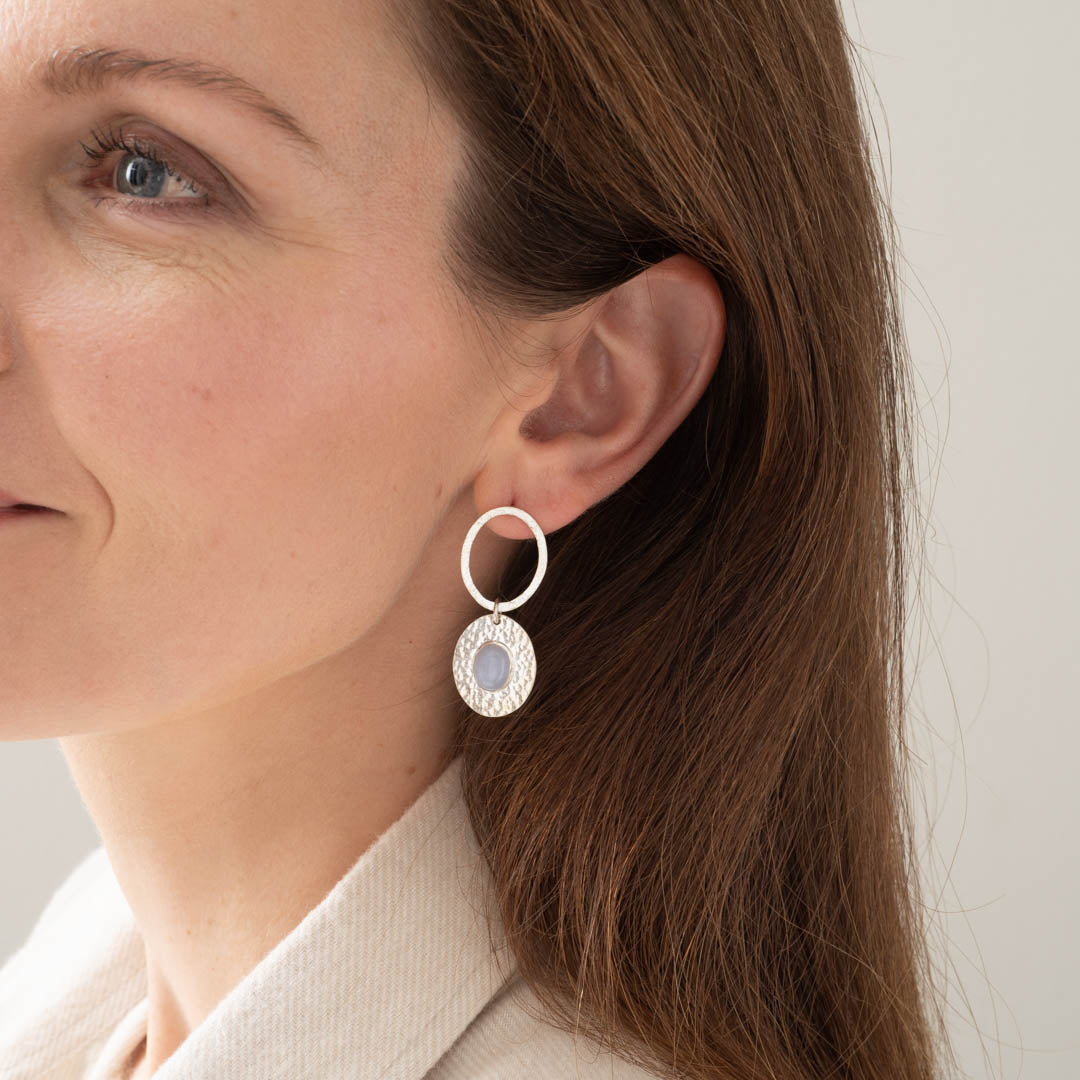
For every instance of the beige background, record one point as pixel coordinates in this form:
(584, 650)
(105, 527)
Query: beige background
(980, 138)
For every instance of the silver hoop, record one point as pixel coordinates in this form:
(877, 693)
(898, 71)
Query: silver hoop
(541, 559)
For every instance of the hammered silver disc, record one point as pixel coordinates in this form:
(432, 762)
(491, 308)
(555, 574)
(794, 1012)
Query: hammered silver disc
(511, 635)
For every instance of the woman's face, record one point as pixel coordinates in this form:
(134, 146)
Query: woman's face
(243, 381)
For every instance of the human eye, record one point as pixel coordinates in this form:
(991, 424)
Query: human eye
(145, 171)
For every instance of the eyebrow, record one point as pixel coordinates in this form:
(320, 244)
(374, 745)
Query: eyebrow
(83, 70)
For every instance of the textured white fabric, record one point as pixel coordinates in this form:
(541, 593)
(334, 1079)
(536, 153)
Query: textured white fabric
(389, 977)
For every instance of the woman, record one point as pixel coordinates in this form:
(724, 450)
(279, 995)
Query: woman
(297, 301)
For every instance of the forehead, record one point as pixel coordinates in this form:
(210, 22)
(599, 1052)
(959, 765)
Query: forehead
(322, 60)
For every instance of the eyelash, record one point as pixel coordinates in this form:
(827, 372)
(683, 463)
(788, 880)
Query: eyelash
(106, 143)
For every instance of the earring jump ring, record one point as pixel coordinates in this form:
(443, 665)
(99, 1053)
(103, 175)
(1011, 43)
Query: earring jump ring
(496, 606)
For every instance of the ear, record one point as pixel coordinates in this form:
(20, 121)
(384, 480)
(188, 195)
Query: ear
(627, 369)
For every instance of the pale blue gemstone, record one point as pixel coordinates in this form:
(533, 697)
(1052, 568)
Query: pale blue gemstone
(491, 666)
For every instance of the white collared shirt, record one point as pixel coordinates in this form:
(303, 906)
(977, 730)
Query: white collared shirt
(391, 976)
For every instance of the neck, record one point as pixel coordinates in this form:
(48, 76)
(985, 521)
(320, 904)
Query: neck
(225, 828)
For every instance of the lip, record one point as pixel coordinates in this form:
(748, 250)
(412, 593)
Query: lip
(10, 513)
(7, 501)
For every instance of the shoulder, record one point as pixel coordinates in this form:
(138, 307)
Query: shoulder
(79, 967)
(78, 897)
(510, 1040)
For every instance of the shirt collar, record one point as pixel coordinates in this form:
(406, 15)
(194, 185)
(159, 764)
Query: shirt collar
(376, 981)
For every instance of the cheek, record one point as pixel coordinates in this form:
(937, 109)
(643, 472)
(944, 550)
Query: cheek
(270, 463)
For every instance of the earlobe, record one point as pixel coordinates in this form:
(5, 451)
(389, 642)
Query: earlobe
(639, 360)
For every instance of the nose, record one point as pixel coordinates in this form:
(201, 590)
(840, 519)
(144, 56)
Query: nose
(24, 258)
(7, 339)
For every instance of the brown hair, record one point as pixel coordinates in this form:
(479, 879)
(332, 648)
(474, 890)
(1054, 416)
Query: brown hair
(698, 824)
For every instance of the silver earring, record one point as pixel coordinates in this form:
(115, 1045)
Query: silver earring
(494, 661)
